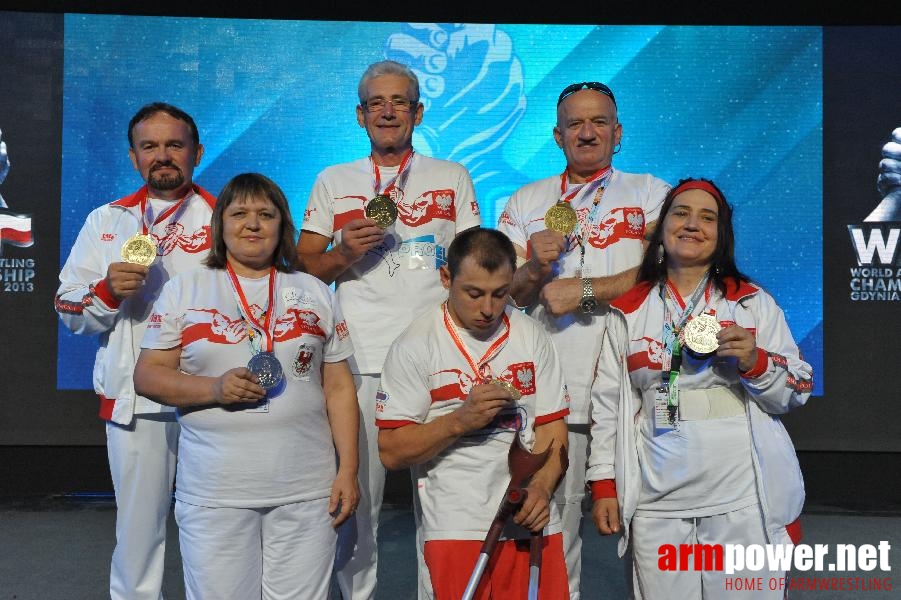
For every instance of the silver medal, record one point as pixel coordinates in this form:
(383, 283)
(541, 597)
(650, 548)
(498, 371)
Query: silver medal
(267, 368)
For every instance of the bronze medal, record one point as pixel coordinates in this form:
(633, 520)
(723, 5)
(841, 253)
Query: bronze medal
(561, 217)
(382, 210)
(699, 334)
(514, 393)
(139, 249)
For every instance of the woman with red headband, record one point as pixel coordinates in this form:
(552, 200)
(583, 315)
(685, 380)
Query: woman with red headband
(688, 451)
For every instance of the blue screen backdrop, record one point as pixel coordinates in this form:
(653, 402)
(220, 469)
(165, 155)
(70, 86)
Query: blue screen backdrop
(739, 104)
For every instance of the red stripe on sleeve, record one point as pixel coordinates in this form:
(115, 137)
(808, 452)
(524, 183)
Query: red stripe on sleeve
(388, 424)
(551, 417)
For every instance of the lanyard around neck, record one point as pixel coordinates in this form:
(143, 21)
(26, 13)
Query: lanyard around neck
(595, 184)
(596, 179)
(395, 182)
(477, 366)
(267, 327)
(147, 212)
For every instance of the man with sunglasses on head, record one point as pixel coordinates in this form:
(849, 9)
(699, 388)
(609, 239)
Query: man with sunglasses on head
(379, 227)
(580, 236)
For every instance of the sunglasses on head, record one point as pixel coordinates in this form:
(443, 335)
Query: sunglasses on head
(585, 85)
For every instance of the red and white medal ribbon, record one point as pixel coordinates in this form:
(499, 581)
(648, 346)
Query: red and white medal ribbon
(395, 182)
(670, 323)
(147, 212)
(267, 328)
(598, 180)
(493, 350)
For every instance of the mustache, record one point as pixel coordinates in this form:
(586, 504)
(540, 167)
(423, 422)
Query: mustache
(164, 165)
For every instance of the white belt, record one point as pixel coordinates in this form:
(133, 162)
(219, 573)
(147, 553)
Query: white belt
(712, 403)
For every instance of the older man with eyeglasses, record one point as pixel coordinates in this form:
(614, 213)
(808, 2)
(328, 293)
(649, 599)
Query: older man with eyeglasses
(580, 236)
(379, 228)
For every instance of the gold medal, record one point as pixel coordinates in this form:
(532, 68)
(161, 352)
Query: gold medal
(139, 249)
(514, 393)
(561, 217)
(699, 334)
(382, 210)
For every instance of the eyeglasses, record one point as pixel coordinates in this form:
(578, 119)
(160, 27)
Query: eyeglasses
(399, 104)
(585, 85)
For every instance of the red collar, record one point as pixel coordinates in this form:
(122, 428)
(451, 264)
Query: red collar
(635, 297)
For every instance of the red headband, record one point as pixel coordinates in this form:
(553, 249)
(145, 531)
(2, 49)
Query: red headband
(700, 184)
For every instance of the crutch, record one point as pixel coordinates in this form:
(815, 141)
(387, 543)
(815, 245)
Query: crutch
(522, 464)
(535, 543)
(534, 563)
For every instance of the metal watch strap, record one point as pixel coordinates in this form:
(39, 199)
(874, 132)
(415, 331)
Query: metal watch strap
(588, 302)
(587, 288)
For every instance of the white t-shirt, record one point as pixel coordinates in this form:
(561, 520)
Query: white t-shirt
(279, 451)
(426, 376)
(614, 232)
(389, 286)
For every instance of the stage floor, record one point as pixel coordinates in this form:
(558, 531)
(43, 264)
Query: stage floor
(58, 548)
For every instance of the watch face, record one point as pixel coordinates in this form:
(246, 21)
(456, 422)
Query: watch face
(588, 305)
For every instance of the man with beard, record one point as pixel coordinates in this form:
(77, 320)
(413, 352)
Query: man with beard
(123, 255)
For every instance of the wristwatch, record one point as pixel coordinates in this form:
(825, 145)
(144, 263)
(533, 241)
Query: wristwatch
(588, 302)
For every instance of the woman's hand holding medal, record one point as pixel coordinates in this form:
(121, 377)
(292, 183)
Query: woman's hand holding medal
(738, 342)
(358, 237)
(237, 386)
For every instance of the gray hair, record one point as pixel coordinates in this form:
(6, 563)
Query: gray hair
(389, 67)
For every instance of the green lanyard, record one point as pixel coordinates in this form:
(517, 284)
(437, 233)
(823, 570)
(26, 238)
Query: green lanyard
(672, 381)
(671, 377)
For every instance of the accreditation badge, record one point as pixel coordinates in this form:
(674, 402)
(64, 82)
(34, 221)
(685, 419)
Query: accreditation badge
(664, 413)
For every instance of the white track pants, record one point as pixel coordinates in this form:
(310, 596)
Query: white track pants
(744, 526)
(142, 458)
(570, 499)
(356, 561)
(277, 553)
